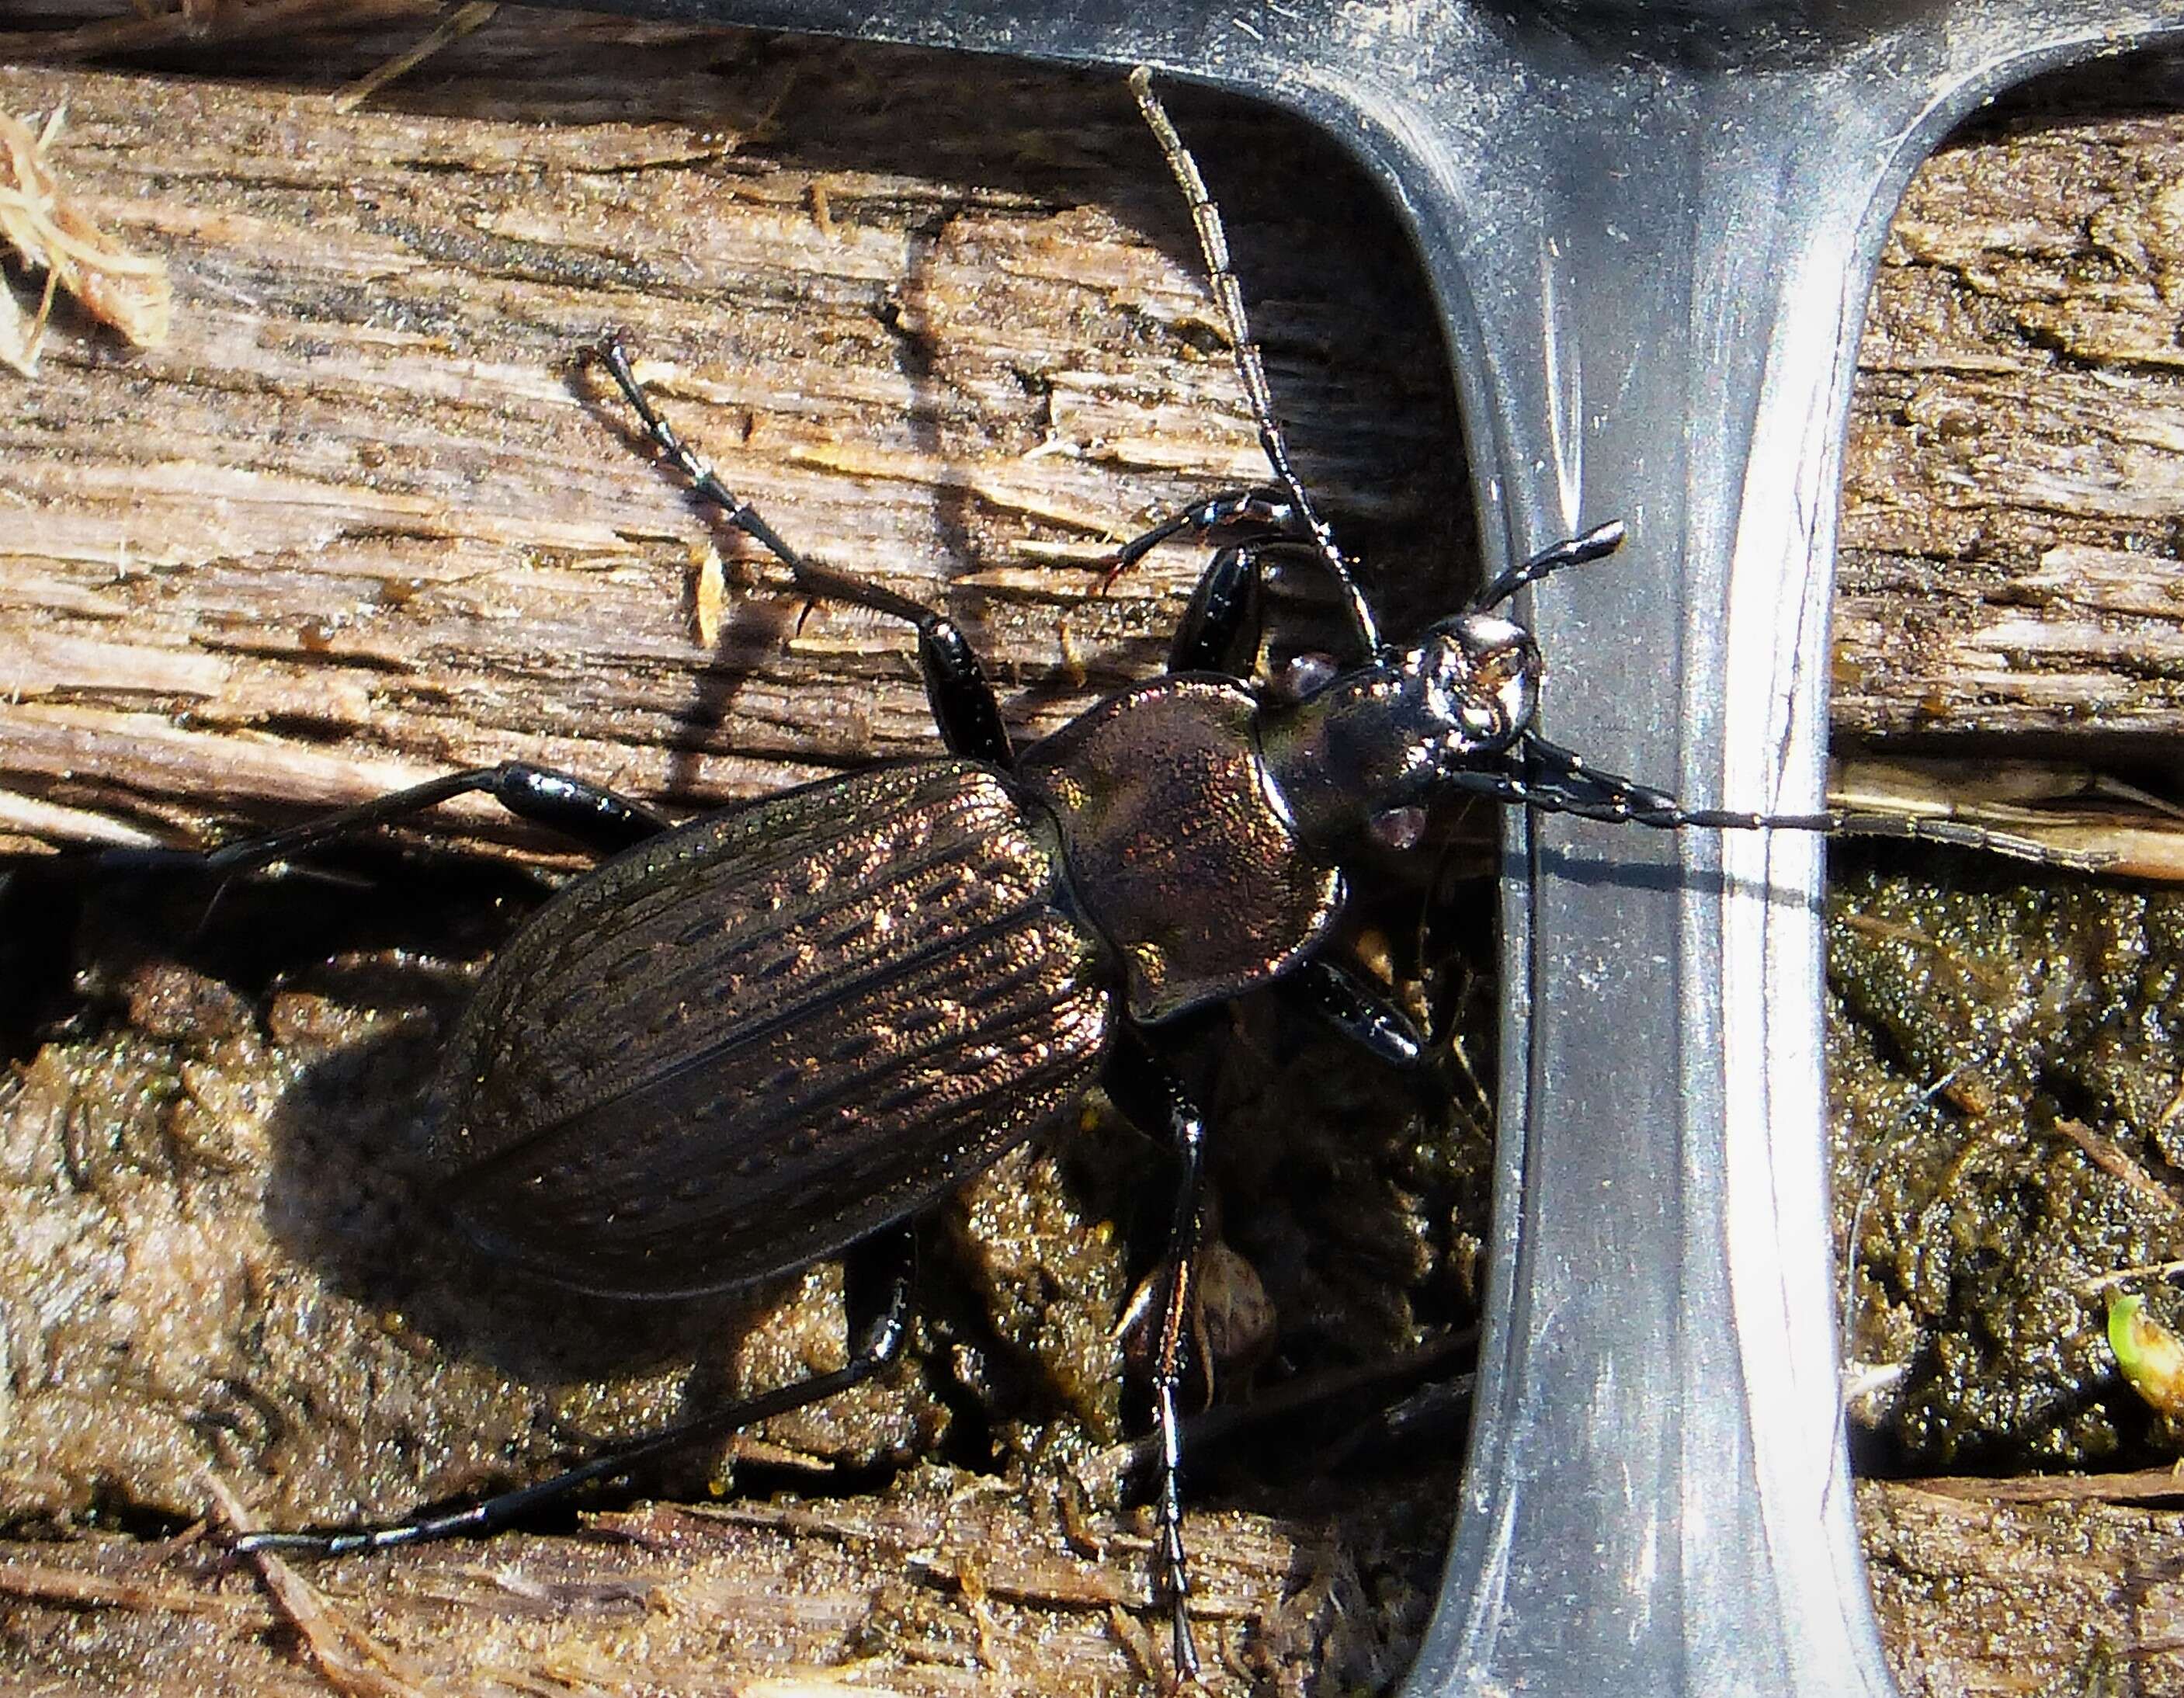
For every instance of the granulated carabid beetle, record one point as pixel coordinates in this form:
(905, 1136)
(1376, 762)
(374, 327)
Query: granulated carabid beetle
(777, 1033)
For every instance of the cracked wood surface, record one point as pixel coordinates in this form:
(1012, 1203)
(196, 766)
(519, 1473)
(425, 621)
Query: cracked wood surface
(366, 515)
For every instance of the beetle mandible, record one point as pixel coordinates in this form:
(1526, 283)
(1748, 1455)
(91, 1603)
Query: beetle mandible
(777, 1033)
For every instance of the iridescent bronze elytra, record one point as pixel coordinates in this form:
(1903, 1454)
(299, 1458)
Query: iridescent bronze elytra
(777, 1033)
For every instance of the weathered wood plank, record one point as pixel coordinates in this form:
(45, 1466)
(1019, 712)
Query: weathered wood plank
(925, 1596)
(365, 515)
(2014, 484)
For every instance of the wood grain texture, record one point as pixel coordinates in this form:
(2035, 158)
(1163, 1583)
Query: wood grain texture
(928, 1596)
(2014, 489)
(366, 514)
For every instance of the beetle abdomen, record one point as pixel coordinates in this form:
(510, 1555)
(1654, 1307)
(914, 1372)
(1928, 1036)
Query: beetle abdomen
(752, 1040)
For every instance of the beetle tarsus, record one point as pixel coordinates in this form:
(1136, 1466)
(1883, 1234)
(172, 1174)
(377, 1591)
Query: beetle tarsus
(1147, 1090)
(1174, 1564)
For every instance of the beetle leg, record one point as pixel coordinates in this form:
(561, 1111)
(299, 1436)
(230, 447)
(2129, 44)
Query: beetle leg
(596, 816)
(1260, 508)
(961, 698)
(1223, 615)
(885, 1266)
(1219, 630)
(1146, 1090)
(1358, 1013)
(955, 686)
(956, 689)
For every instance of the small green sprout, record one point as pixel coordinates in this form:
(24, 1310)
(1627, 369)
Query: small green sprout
(2150, 1355)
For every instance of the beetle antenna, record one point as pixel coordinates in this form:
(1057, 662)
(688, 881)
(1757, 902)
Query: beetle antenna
(1228, 293)
(1602, 540)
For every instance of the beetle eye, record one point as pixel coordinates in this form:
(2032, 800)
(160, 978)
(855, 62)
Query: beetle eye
(1398, 828)
(1482, 719)
(1304, 674)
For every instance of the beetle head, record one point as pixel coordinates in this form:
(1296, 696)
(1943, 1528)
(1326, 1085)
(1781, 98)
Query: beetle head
(1359, 756)
(1479, 681)
(1364, 753)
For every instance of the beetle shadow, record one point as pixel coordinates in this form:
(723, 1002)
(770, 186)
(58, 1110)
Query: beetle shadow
(350, 1202)
(1604, 870)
